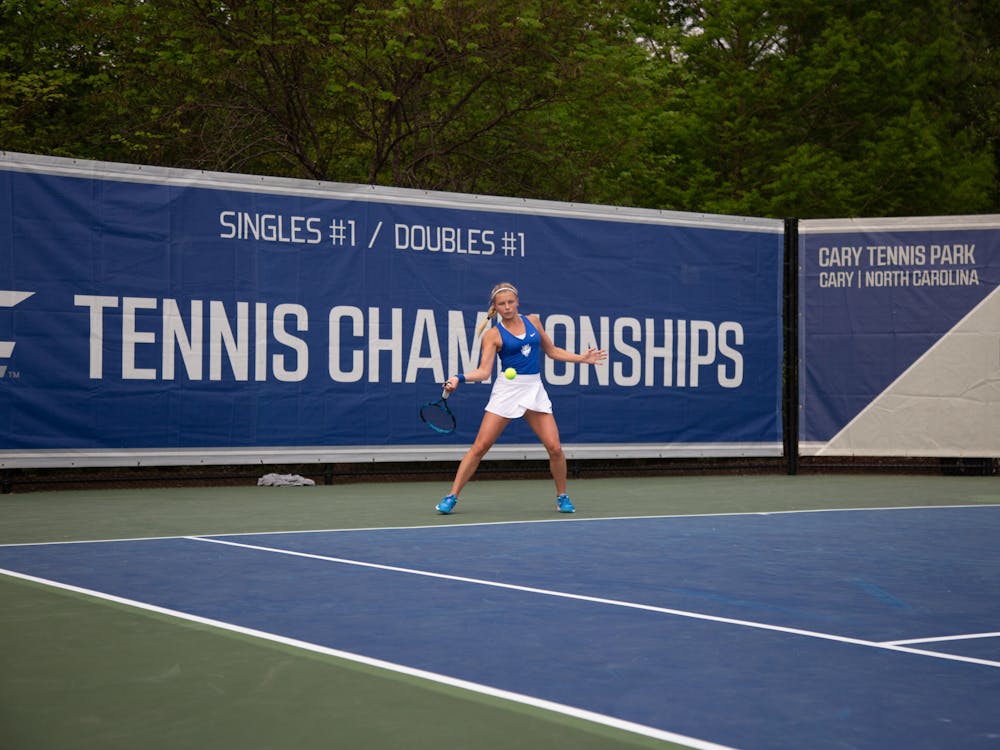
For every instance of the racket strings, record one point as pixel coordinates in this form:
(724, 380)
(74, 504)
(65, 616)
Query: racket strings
(438, 417)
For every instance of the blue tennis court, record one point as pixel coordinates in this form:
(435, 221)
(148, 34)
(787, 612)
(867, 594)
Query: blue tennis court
(822, 629)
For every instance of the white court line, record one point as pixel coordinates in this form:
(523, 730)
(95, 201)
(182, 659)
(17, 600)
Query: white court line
(938, 639)
(578, 713)
(664, 517)
(610, 602)
(453, 525)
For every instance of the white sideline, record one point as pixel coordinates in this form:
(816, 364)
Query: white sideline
(578, 713)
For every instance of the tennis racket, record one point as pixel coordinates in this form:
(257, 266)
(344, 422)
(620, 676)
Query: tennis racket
(438, 416)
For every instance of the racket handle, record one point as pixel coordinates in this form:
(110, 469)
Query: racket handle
(445, 394)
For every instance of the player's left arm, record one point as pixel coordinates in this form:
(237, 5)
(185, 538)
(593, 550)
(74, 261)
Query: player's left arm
(589, 357)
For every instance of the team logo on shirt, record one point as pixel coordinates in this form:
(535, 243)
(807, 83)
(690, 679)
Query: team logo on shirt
(526, 350)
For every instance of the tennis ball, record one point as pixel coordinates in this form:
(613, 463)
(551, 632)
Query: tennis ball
(510, 373)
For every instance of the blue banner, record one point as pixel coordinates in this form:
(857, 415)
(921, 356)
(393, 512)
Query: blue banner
(900, 336)
(147, 309)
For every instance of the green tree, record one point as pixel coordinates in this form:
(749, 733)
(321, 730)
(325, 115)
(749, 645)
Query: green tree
(50, 70)
(978, 97)
(764, 107)
(824, 108)
(414, 93)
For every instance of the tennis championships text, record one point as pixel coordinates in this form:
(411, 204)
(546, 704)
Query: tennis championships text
(146, 338)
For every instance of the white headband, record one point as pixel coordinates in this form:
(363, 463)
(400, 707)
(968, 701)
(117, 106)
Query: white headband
(502, 289)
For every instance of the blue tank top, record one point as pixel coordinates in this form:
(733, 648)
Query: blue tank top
(523, 354)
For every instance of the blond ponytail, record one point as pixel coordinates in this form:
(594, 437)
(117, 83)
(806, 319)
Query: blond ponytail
(490, 314)
(503, 286)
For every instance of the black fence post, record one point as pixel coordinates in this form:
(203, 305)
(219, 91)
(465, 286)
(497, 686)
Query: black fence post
(790, 374)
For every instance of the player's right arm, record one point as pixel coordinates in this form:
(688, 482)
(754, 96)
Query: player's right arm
(490, 347)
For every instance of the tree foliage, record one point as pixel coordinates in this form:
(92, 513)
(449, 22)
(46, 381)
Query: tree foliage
(761, 107)
(824, 108)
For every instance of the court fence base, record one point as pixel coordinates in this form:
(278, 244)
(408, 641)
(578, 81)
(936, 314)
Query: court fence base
(35, 480)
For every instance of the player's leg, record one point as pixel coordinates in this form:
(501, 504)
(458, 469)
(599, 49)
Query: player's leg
(544, 426)
(489, 430)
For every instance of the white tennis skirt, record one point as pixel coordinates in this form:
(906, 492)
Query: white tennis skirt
(512, 398)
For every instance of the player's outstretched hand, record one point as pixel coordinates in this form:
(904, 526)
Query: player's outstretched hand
(594, 356)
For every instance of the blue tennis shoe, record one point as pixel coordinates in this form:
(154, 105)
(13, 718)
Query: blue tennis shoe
(564, 504)
(446, 504)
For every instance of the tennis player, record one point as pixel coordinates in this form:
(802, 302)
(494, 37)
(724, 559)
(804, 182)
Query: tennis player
(519, 340)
